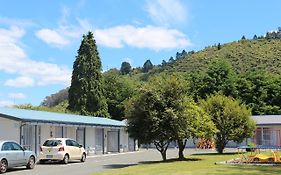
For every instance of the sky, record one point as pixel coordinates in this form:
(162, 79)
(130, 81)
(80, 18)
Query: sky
(39, 39)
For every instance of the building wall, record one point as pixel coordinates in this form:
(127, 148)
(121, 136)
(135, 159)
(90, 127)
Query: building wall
(71, 132)
(94, 139)
(9, 130)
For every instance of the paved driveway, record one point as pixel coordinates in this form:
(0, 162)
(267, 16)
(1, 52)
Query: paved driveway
(98, 163)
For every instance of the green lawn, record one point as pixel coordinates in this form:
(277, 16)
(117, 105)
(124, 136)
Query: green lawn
(196, 164)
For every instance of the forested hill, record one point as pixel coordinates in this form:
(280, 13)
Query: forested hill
(248, 70)
(244, 56)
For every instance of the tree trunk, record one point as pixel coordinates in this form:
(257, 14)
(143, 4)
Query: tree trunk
(181, 145)
(164, 156)
(162, 147)
(220, 145)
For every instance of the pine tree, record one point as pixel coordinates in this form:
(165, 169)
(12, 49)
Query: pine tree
(147, 66)
(86, 94)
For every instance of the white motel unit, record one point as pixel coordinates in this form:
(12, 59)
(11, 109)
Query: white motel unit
(31, 128)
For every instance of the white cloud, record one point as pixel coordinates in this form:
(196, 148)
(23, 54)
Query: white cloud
(64, 33)
(20, 82)
(6, 103)
(52, 37)
(151, 37)
(14, 60)
(16, 95)
(166, 12)
(16, 22)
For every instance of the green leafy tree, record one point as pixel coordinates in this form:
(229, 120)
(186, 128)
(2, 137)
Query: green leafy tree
(125, 68)
(163, 112)
(147, 122)
(232, 119)
(219, 77)
(147, 66)
(261, 91)
(86, 93)
(118, 89)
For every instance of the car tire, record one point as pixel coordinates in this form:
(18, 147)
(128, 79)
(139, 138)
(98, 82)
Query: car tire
(65, 159)
(3, 166)
(31, 163)
(83, 158)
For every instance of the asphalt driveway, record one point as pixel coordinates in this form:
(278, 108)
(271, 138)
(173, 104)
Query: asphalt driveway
(99, 163)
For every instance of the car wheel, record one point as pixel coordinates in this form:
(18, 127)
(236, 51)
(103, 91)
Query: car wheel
(31, 162)
(3, 166)
(66, 159)
(83, 158)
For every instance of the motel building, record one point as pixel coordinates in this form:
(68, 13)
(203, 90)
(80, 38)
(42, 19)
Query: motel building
(31, 129)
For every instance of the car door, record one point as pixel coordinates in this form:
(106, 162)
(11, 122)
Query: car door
(70, 149)
(20, 154)
(9, 154)
(76, 149)
(14, 153)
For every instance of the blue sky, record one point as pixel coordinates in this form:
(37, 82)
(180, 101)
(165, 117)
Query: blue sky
(39, 39)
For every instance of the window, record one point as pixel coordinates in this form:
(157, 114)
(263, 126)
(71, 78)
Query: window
(6, 146)
(74, 143)
(52, 143)
(11, 146)
(68, 143)
(16, 147)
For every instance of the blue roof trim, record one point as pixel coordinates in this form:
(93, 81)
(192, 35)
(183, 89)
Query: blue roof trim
(59, 118)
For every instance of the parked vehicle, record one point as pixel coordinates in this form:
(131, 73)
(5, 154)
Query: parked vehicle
(13, 155)
(62, 149)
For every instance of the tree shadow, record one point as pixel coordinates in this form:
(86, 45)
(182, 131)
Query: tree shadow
(213, 154)
(116, 166)
(171, 161)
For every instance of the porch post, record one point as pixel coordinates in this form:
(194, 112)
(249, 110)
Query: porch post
(262, 136)
(103, 141)
(119, 140)
(36, 136)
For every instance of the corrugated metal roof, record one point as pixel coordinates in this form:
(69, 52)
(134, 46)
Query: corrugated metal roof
(60, 118)
(267, 119)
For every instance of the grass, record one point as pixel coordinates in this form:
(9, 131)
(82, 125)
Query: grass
(195, 164)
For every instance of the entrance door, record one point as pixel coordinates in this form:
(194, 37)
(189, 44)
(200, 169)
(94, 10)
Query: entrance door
(112, 141)
(99, 140)
(80, 136)
(28, 137)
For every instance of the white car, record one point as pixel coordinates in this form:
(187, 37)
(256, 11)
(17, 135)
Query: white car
(13, 155)
(62, 149)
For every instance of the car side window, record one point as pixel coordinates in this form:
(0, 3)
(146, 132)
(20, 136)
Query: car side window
(74, 143)
(68, 143)
(6, 146)
(16, 147)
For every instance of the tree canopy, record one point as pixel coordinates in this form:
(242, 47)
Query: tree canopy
(86, 93)
(232, 119)
(163, 112)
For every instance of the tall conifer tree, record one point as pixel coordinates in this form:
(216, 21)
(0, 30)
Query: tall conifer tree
(86, 93)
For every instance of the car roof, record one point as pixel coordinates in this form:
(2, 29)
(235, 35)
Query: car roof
(60, 139)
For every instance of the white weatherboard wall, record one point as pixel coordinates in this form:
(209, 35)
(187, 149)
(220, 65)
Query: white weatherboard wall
(9, 130)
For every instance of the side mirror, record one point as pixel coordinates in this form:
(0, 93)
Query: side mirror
(80, 146)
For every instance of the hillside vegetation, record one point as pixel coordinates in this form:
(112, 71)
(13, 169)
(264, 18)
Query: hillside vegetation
(244, 56)
(248, 70)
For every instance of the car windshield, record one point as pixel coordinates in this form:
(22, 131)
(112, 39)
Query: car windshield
(52, 143)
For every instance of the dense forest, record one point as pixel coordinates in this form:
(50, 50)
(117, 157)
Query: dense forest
(247, 69)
